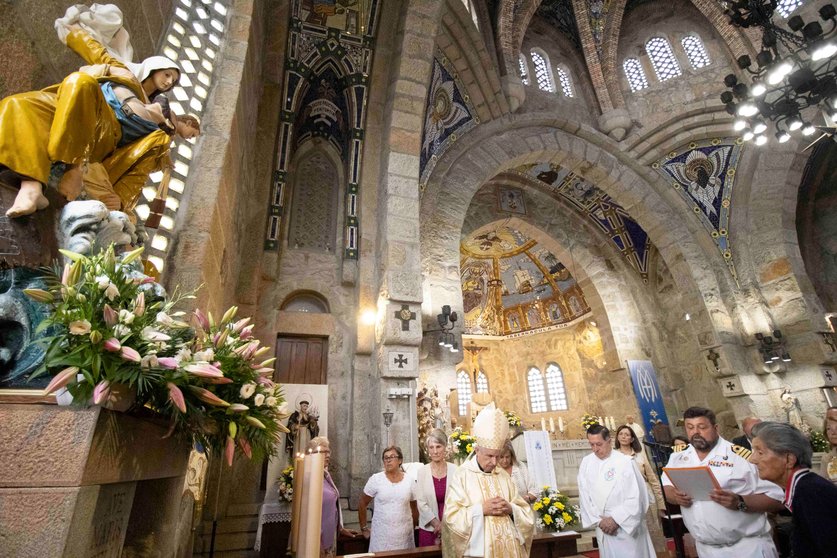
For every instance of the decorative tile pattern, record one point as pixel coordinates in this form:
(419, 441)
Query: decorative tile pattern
(625, 233)
(703, 173)
(448, 115)
(325, 92)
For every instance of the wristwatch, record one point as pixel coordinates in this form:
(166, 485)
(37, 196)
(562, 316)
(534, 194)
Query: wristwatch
(742, 505)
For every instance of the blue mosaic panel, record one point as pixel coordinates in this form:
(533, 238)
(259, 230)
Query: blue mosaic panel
(448, 115)
(625, 233)
(703, 173)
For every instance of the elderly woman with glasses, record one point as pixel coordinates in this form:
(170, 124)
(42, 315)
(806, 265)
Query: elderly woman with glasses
(432, 483)
(396, 513)
(783, 456)
(332, 518)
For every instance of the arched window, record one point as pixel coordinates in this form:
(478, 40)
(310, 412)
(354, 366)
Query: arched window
(635, 74)
(555, 388)
(786, 7)
(662, 58)
(463, 388)
(482, 383)
(537, 397)
(564, 80)
(695, 51)
(305, 301)
(543, 75)
(524, 69)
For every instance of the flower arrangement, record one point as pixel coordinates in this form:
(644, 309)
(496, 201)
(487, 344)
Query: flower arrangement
(110, 326)
(819, 442)
(286, 484)
(554, 510)
(462, 444)
(514, 420)
(588, 420)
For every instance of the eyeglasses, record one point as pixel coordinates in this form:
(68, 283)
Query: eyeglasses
(390, 457)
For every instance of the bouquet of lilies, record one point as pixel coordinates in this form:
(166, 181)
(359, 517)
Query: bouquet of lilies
(462, 444)
(588, 420)
(111, 325)
(554, 511)
(286, 484)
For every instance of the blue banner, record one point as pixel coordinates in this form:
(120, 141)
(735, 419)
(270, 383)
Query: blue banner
(648, 394)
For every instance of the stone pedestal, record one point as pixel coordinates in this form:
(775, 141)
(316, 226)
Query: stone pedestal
(87, 482)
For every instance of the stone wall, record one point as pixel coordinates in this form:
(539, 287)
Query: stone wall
(34, 58)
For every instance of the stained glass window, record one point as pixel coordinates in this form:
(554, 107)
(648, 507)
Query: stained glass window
(524, 69)
(662, 58)
(695, 51)
(556, 389)
(635, 74)
(482, 383)
(463, 388)
(564, 80)
(537, 396)
(786, 7)
(542, 73)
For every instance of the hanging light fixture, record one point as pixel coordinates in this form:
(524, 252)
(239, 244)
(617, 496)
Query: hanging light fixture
(794, 76)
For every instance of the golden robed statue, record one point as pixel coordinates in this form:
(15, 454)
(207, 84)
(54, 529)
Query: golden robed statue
(99, 119)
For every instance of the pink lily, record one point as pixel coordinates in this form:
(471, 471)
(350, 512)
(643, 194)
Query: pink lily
(113, 345)
(220, 338)
(208, 397)
(176, 397)
(264, 371)
(61, 379)
(230, 450)
(203, 323)
(204, 370)
(251, 349)
(222, 380)
(139, 307)
(238, 408)
(265, 381)
(167, 362)
(245, 447)
(65, 275)
(101, 392)
(130, 354)
(240, 324)
(246, 333)
(110, 315)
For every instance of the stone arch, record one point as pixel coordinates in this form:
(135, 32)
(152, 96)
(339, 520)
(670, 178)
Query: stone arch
(313, 297)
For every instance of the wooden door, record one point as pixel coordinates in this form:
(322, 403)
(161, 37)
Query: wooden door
(301, 360)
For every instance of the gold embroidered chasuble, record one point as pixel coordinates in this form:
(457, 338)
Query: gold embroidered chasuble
(504, 536)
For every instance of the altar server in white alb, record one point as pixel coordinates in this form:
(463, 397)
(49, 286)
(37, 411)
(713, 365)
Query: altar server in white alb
(733, 524)
(614, 499)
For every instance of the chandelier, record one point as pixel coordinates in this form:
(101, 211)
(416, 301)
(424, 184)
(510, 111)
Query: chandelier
(793, 78)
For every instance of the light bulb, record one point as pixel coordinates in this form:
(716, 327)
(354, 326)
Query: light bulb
(761, 140)
(794, 124)
(808, 130)
(748, 135)
(758, 89)
(759, 127)
(779, 72)
(739, 125)
(747, 109)
(825, 51)
(782, 136)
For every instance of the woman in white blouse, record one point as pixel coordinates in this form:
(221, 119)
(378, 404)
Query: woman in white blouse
(432, 481)
(518, 472)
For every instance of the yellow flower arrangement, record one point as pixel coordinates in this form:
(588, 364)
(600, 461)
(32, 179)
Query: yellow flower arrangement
(462, 444)
(554, 511)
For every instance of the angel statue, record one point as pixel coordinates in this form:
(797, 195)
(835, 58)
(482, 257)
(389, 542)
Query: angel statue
(108, 113)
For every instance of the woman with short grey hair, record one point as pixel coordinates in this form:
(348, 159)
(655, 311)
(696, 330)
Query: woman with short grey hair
(432, 483)
(783, 456)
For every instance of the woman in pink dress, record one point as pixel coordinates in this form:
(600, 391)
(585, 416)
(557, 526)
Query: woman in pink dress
(432, 482)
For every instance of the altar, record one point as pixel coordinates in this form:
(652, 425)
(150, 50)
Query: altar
(566, 458)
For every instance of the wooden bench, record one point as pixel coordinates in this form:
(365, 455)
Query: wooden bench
(544, 545)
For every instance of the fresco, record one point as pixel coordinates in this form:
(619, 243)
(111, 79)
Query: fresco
(510, 285)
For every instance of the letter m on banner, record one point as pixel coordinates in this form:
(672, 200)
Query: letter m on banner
(648, 395)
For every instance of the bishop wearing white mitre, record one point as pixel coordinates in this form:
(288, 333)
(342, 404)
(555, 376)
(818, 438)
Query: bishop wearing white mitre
(614, 498)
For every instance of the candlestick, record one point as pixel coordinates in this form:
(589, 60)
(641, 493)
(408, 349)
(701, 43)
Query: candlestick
(551, 425)
(561, 424)
(312, 505)
(296, 503)
(543, 424)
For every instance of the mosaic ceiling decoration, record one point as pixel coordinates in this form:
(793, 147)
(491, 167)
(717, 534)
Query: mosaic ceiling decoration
(511, 285)
(625, 233)
(703, 173)
(559, 13)
(330, 46)
(448, 115)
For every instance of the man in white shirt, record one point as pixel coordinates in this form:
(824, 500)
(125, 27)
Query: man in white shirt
(613, 497)
(733, 524)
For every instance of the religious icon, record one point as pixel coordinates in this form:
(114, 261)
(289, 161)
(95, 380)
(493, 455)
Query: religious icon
(510, 200)
(303, 425)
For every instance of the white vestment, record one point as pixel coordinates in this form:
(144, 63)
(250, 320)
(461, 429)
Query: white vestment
(614, 487)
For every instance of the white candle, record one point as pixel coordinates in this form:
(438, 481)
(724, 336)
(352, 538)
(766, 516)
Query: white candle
(560, 424)
(543, 424)
(296, 504)
(551, 425)
(312, 505)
